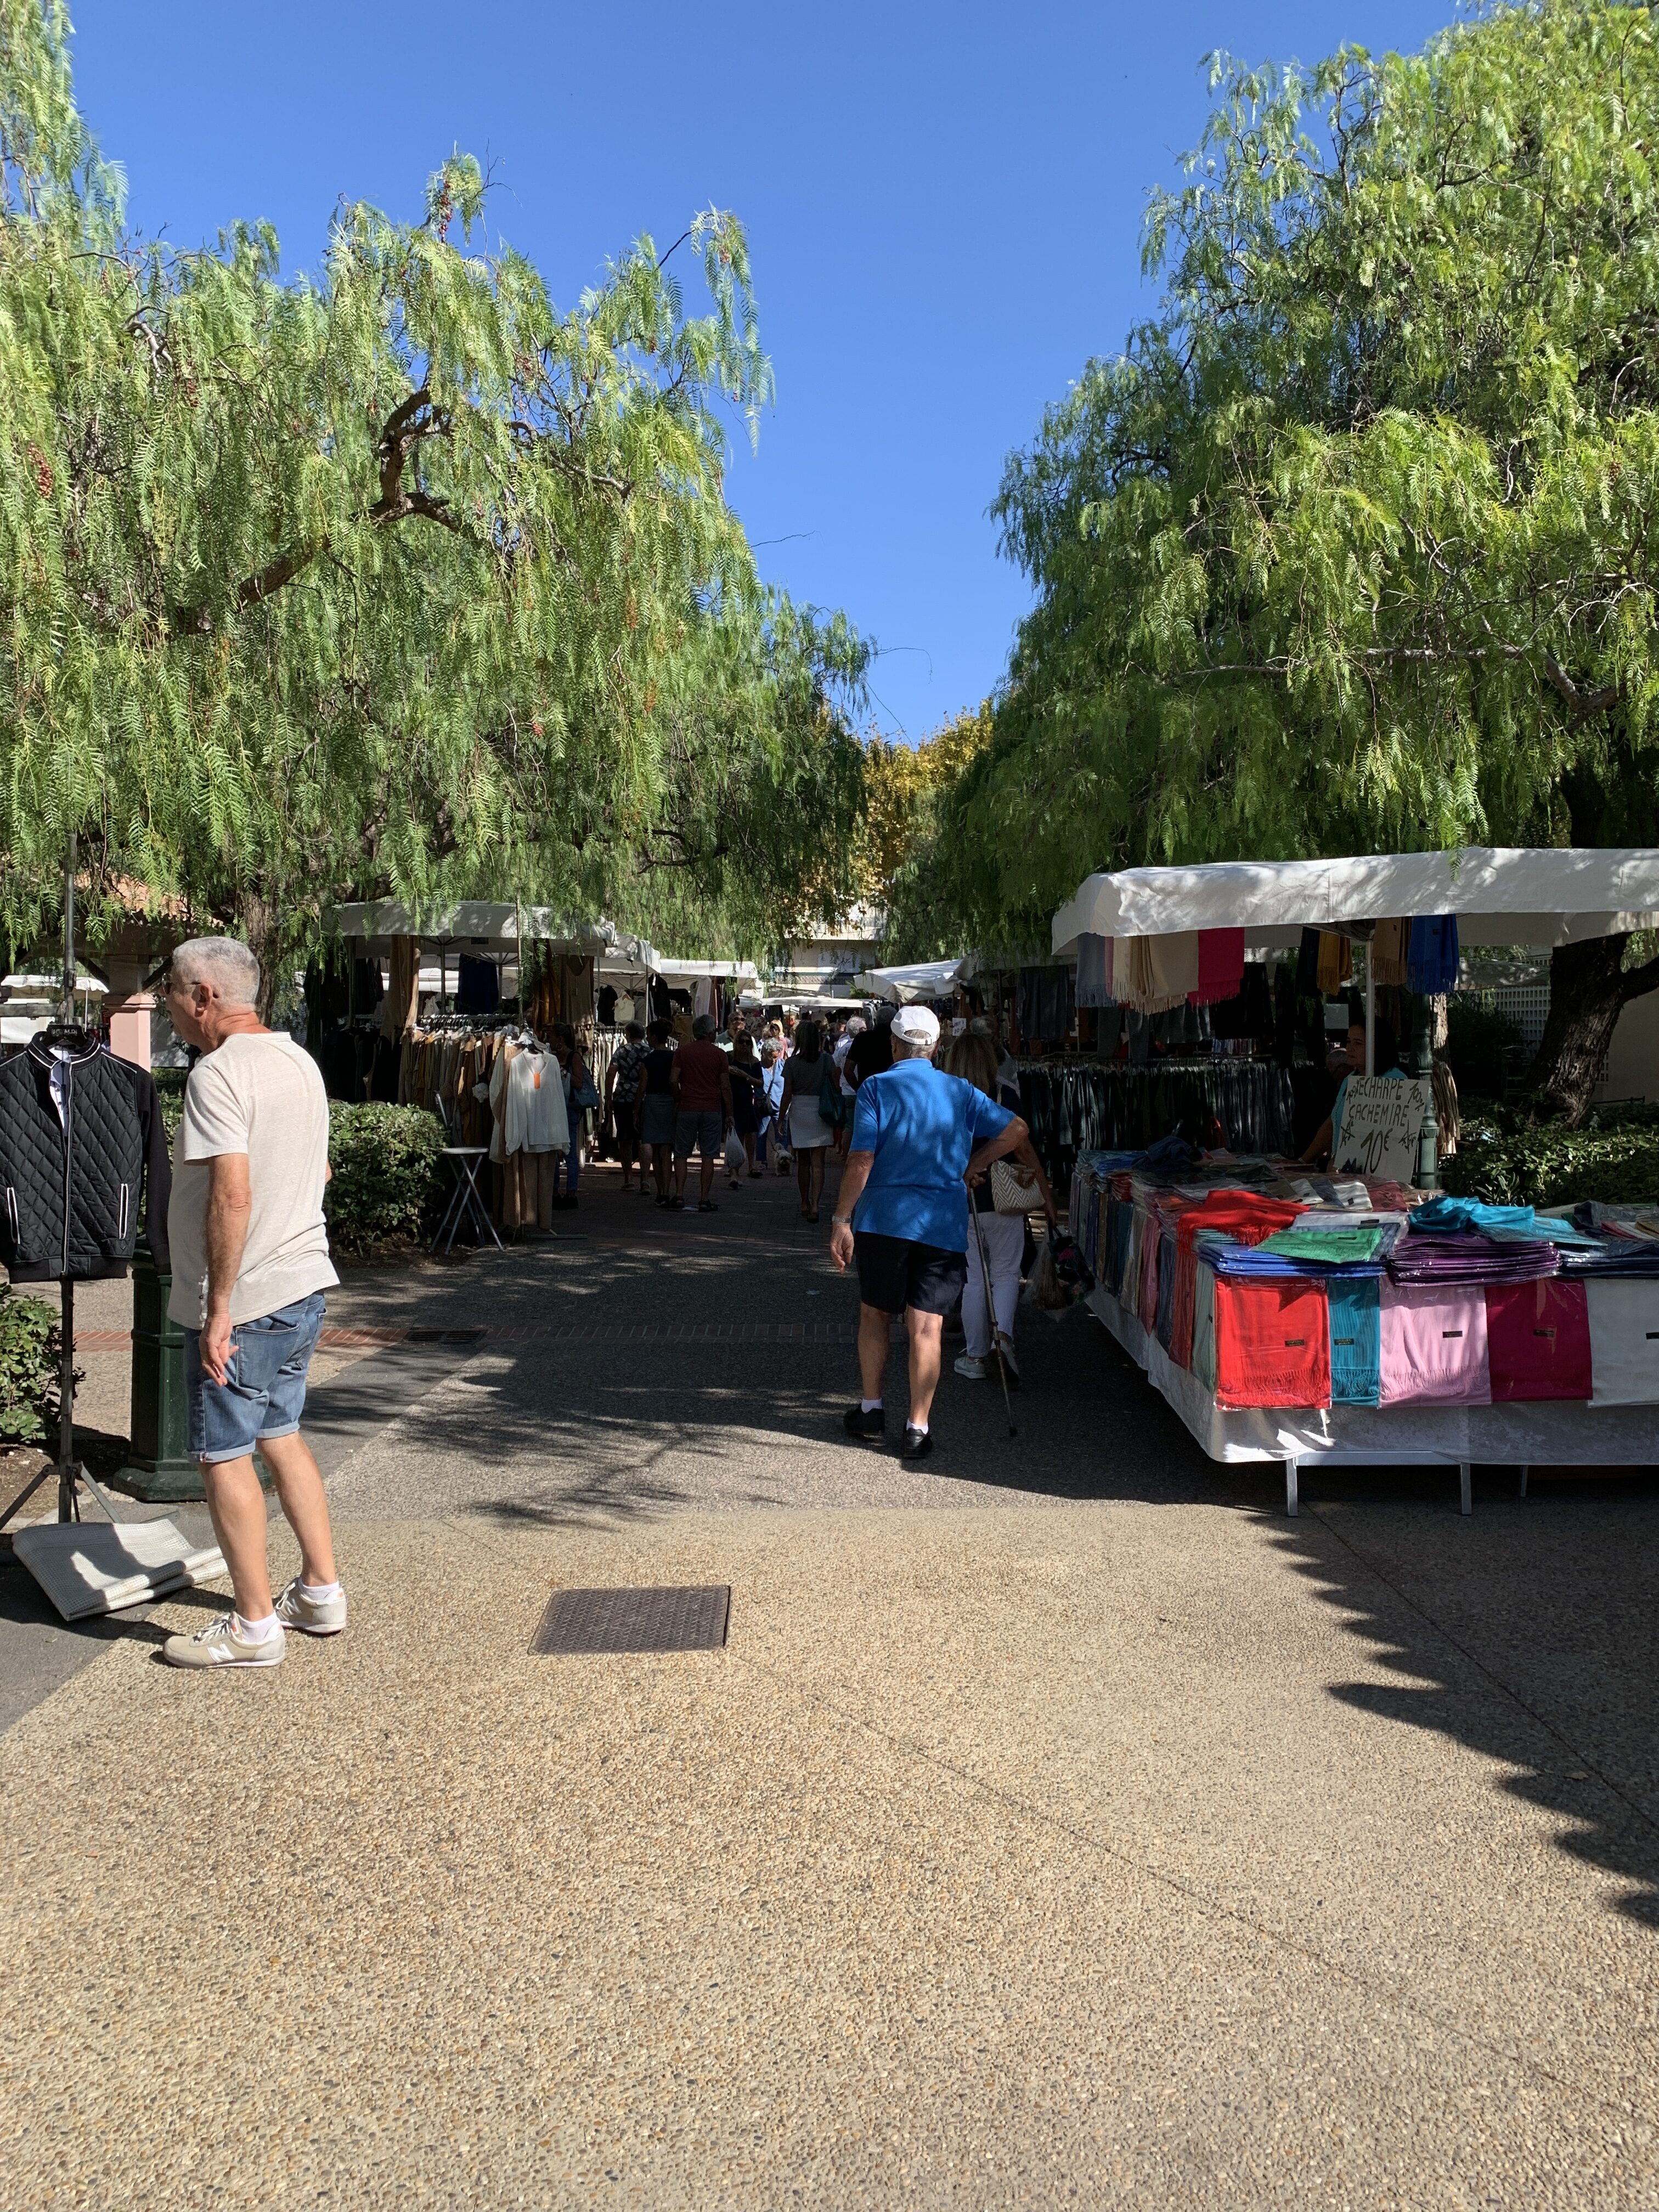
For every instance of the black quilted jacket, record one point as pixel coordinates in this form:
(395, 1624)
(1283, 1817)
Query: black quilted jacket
(70, 1184)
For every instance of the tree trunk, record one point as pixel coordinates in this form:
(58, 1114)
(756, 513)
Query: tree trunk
(1588, 990)
(258, 917)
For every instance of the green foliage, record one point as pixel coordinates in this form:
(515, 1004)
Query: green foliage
(388, 1181)
(1615, 1159)
(392, 578)
(1482, 1047)
(30, 1348)
(1354, 548)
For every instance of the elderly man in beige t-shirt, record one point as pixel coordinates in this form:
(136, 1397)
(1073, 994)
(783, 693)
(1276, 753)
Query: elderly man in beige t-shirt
(250, 1265)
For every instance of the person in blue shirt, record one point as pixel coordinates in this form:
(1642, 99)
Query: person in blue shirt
(918, 1135)
(1322, 1151)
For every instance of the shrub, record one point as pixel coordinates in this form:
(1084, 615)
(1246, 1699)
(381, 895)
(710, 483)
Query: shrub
(387, 1182)
(1614, 1158)
(30, 1347)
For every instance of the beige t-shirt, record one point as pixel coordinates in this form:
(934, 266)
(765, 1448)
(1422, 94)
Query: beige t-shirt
(263, 1096)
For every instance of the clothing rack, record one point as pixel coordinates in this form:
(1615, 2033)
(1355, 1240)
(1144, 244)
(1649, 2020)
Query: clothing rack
(67, 1469)
(1077, 1106)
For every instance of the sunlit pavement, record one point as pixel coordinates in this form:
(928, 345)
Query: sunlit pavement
(1059, 1824)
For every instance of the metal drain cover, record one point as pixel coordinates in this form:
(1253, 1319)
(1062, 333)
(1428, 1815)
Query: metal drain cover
(634, 1620)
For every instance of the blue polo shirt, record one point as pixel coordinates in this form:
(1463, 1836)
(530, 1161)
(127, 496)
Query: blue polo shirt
(922, 1125)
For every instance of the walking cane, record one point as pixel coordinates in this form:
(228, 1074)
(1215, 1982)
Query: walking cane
(996, 1333)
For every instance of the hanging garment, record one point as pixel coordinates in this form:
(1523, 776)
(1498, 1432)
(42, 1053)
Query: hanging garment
(1390, 942)
(399, 1006)
(1431, 957)
(1220, 966)
(1538, 1340)
(1307, 965)
(1355, 1308)
(1335, 965)
(1272, 1344)
(1093, 971)
(478, 991)
(1157, 973)
(1434, 1344)
(576, 981)
(1624, 1328)
(81, 1145)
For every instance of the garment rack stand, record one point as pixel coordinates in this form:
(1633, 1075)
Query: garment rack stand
(67, 1469)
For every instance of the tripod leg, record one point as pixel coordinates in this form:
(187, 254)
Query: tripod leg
(24, 1496)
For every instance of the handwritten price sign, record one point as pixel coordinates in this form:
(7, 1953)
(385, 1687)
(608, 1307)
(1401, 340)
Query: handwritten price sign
(1382, 1122)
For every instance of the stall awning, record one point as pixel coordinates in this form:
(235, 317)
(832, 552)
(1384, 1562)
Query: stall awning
(924, 979)
(1501, 896)
(491, 925)
(696, 971)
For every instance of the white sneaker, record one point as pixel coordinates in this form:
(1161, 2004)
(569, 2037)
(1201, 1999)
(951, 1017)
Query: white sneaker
(973, 1369)
(222, 1644)
(312, 1616)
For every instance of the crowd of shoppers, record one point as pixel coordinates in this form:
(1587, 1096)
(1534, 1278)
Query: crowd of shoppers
(919, 1122)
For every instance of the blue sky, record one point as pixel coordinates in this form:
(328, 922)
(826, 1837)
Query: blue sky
(943, 201)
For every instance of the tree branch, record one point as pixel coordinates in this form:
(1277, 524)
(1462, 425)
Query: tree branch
(406, 426)
(1584, 704)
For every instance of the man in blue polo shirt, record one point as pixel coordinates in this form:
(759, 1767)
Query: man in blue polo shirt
(918, 1136)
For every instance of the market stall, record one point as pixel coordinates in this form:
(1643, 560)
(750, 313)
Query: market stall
(1356, 1319)
(923, 980)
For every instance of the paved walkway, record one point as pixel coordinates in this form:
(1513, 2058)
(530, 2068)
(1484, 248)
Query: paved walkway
(1060, 1826)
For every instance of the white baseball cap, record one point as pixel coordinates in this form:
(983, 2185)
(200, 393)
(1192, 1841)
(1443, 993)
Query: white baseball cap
(916, 1026)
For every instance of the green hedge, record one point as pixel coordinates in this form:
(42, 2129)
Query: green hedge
(1614, 1157)
(29, 1353)
(388, 1182)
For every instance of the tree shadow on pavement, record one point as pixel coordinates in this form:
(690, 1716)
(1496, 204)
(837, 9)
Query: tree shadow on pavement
(1529, 1632)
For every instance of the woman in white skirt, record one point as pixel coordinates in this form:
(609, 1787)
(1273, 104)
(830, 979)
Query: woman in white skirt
(999, 1237)
(809, 1134)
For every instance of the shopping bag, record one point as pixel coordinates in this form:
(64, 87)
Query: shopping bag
(734, 1152)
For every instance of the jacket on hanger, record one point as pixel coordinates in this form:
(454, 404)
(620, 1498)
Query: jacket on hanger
(80, 1141)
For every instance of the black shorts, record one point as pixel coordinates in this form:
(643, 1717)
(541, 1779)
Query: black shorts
(894, 1273)
(623, 1115)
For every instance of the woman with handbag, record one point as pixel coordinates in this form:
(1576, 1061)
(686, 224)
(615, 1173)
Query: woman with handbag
(582, 1096)
(806, 1074)
(999, 1205)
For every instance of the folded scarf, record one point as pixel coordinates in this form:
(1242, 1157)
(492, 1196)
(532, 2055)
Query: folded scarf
(1325, 1247)
(1431, 956)
(1389, 944)
(1093, 971)
(1149, 974)
(1220, 966)
(1335, 962)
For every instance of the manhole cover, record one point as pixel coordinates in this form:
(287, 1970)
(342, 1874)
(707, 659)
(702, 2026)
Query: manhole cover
(634, 1620)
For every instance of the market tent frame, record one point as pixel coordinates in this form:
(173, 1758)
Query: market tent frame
(923, 979)
(1534, 895)
(497, 926)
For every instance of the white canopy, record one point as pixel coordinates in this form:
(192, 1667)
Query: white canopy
(925, 979)
(1501, 896)
(491, 925)
(694, 971)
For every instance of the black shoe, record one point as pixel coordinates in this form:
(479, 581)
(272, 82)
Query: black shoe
(918, 1442)
(858, 1423)
(707, 1206)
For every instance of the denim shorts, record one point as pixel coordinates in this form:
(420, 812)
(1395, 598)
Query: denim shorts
(263, 1393)
(704, 1129)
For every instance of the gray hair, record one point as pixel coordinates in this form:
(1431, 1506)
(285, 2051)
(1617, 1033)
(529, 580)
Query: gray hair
(633, 1031)
(703, 1026)
(224, 961)
(906, 1047)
